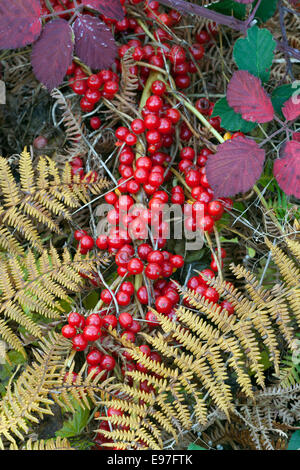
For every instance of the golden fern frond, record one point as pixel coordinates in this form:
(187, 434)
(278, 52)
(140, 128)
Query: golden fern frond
(47, 380)
(32, 285)
(58, 443)
(44, 195)
(199, 351)
(29, 395)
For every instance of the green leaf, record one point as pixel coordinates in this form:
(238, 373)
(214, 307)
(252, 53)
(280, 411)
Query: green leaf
(266, 10)
(76, 425)
(230, 8)
(193, 446)
(91, 300)
(294, 442)
(251, 251)
(230, 120)
(280, 95)
(255, 52)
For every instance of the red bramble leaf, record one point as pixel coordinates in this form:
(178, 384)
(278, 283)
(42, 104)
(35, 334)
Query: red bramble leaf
(296, 136)
(52, 53)
(20, 23)
(110, 8)
(287, 169)
(247, 97)
(94, 42)
(235, 167)
(291, 108)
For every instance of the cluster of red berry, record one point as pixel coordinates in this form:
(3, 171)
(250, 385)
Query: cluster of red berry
(138, 235)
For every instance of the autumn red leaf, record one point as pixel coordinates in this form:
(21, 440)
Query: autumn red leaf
(52, 53)
(291, 108)
(94, 42)
(296, 136)
(20, 23)
(246, 96)
(287, 169)
(110, 8)
(235, 167)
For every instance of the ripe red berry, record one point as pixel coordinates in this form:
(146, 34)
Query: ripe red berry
(110, 320)
(95, 122)
(91, 332)
(211, 294)
(123, 298)
(86, 243)
(151, 319)
(163, 304)
(158, 87)
(68, 331)
(107, 362)
(80, 343)
(94, 357)
(138, 126)
(125, 320)
(154, 103)
(94, 319)
(135, 266)
(76, 320)
(142, 295)
(106, 296)
(78, 234)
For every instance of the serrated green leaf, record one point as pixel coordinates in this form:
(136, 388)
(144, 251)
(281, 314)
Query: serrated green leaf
(266, 10)
(294, 442)
(255, 52)
(76, 425)
(230, 8)
(193, 446)
(280, 95)
(230, 120)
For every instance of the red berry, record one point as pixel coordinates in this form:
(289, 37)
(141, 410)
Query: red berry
(151, 319)
(110, 320)
(94, 357)
(76, 320)
(158, 87)
(138, 126)
(142, 295)
(163, 304)
(68, 331)
(125, 320)
(154, 103)
(135, 266)
(78, 234)
(123, 298)
(94, 319)
(91, 332)
(86, 243)
(107, 362)
(80, 343)
(95, 122)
